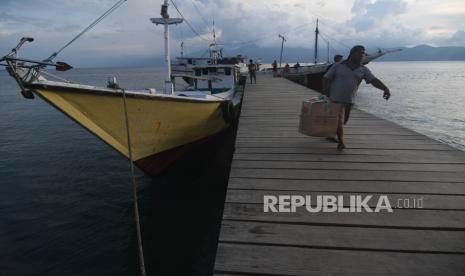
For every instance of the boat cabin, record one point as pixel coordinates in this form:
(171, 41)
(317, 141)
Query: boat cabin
(215, 78)
(193, 61)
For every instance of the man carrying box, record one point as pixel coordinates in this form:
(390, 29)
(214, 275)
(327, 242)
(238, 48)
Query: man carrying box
(342, 82)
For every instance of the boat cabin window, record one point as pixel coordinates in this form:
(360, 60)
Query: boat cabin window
(189, 61)
(204, 71)
(227, 71)
(212, 69)
(198, 72)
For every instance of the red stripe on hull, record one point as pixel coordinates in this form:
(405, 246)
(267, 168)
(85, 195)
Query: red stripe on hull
(155, 164)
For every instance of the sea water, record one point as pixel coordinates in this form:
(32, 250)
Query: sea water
(66, 197)
(428, 97)
(66, 205)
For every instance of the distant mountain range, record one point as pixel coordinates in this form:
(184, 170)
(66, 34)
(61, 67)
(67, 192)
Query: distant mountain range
(417, 53)
(303, 55)
(291, 55)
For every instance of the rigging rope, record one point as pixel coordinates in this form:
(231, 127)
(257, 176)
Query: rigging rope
(179, 30)
(201, 16)
(333, 33)
(105, 14)
(134, 190)
(326, 38)
(188, 24)
(265, 36)
(330, 48)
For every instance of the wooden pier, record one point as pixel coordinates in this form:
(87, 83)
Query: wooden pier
(272, 158)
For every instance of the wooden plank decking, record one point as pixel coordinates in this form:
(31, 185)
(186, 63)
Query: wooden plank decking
(272, 158)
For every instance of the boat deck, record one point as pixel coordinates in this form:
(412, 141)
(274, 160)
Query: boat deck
(272, 158)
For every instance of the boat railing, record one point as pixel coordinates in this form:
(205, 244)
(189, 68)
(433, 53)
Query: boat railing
(26, 71)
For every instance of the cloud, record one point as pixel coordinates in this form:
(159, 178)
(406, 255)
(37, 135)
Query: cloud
(67, 28)
(321, 3)
(434, 28)
(458, 38)
(238, 24)
(368, 15)
(11, 20)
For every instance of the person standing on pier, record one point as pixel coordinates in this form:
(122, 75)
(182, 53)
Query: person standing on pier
(342, 82)
(337, 59)
(286, 68)
(275, 68)
(252, 71)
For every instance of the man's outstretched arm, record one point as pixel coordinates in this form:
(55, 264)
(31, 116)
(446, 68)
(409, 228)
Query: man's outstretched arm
(380, 85)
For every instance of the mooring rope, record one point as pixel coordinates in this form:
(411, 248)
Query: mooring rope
(134, 184)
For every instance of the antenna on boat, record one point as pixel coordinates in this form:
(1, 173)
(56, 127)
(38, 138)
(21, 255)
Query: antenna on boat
(214, 34)
(327, 48)
(316, 42)
(166, 20)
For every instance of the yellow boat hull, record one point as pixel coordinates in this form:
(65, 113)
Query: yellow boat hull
(157, 125)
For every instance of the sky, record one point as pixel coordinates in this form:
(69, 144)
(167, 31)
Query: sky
(128, 33)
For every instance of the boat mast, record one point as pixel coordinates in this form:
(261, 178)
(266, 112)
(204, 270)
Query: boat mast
(316, 42)
(216, 51)
(182, 49)
(166, 20)
(327, 48)
(282, 46)
(213, 48)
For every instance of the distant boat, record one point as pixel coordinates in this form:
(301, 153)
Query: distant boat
(186, 64)
(162, 124)
(312, 75)
(370, 57)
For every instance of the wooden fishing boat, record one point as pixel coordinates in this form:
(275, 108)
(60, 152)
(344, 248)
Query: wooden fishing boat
(184, 65)
(312, 75)
(151, 127)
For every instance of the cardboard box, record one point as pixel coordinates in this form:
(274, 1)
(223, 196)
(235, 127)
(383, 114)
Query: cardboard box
(319, 117)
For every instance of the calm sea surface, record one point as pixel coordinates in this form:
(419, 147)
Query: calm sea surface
(428, 97)
(65, 196)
